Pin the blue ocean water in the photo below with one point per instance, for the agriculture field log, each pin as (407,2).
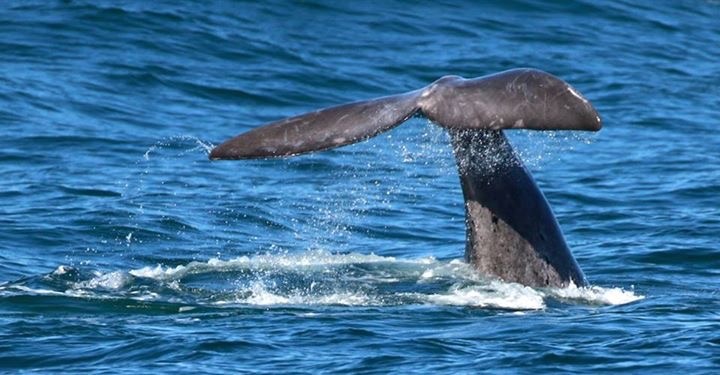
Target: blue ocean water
(122,248)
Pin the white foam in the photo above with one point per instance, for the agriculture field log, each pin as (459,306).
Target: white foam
(260,295)
(496,295)
(61,270)
(469,288)
(455,269)
(112,280)
(320,278)
(159,272)
(346,299)
(307,260)
(427,274)
(597,295)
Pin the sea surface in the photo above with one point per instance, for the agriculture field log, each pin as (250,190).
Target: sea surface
(123,249)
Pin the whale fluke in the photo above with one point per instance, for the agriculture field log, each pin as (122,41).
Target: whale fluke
(512,233)
(515,99)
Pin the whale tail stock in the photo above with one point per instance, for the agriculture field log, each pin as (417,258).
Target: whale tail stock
(515,99)
(511,231)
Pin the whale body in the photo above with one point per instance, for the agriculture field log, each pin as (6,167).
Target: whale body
(511,232)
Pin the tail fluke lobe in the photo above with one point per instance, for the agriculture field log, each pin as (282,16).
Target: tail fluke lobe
(514,99)
(321,130)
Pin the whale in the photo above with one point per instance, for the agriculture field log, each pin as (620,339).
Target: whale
(511,232)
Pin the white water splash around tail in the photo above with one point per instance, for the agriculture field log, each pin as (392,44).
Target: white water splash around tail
(314,278)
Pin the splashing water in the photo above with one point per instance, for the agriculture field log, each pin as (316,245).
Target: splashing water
(310,278)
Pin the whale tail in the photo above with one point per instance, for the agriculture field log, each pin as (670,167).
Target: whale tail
(515,99)
(511,231)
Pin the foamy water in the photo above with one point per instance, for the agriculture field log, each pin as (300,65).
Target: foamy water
(320,278)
